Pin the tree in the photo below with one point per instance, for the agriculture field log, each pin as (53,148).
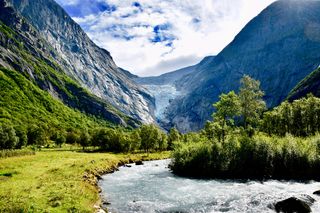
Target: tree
(36,135)
(23,138)
(227,108)
(251,103)
(72,137)
(84,139)
(163,141)
(173,136)
(60,139)
(8,138)
(150,137)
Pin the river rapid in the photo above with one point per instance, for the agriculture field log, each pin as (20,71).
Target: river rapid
(152,188)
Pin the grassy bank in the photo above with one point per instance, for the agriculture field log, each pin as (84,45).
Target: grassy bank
(57,181)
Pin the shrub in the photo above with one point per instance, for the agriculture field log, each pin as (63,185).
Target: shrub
(258,157)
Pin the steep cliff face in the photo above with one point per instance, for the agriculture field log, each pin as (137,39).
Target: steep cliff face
(23,50)
(81,59)
(279,47)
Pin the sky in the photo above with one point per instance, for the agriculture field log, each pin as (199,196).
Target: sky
(151,37)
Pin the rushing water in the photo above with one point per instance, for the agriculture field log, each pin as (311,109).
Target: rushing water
(153,188)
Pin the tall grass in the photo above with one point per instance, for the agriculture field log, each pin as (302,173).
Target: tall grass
(15,153)
(259,157)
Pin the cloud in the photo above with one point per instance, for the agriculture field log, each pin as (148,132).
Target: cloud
(150,37)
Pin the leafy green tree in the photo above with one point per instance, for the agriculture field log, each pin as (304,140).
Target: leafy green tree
(36,135)
(60,139)
(84,139)
(227,108)
(173,136)
(150,137)
(251,102)
(162,142)
(72,137)
(23,138)
(8,138)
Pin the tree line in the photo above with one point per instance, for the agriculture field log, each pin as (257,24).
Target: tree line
(247,112)
(146,138)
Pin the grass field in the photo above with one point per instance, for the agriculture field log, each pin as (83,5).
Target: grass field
(57,181)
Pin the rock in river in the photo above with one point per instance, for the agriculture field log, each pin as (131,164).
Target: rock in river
(139,162)
(294,204)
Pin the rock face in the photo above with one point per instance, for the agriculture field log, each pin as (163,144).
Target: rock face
(81,59)
(279,47)
(168,87)
(24,50)
(292,205)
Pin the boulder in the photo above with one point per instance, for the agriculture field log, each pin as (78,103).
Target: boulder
(292,205)
(317,193)
(139,162)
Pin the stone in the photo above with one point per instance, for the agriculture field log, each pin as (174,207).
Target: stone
(292,205)
(317,193)
(139,162)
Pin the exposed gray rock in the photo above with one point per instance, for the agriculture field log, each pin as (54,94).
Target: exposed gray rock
(23,49)
(292,205)
(80,58)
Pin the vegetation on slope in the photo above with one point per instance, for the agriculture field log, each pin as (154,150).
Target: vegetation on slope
(310,84)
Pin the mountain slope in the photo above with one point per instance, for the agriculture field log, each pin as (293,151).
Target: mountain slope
(167,87)
(81,59)
(310,84)
(279,47)
(23,50)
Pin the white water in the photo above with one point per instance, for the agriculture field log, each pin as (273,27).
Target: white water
(153,188)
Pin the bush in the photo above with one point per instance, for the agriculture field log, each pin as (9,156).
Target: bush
(258,157)
(8,138)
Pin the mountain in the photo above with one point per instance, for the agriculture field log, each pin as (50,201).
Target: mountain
(310,84)
(89,65)
(279,47)
(29,73)
(167,87)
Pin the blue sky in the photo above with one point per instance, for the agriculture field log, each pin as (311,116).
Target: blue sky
(150,37)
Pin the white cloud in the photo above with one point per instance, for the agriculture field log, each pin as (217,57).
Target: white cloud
(195,28)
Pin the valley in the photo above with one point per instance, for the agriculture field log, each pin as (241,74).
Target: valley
(245,119)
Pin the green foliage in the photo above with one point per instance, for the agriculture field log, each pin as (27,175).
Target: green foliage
(85,139)
(299,118)
(152,138)
(244,157)
(36,135)
(8,138)
(227,108)
(60,139)
(223,150)
(173,136)
(251,102)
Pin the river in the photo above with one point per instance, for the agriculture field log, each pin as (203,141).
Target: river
(153,188)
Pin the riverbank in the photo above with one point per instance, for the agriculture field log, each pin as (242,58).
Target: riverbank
(58,181)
